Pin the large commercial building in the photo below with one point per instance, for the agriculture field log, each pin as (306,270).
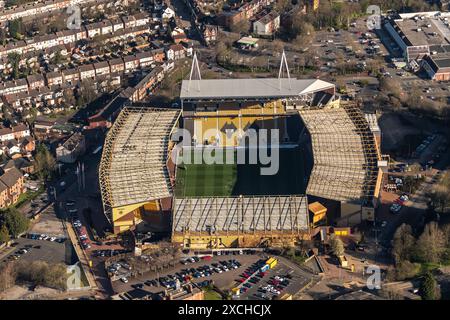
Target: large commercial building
(424,39)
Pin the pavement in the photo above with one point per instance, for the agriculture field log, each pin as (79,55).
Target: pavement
(82,257)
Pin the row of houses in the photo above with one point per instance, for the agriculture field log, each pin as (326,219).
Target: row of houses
(70,76)
(267,23)
(48,6)
(11,185)
(16,141)
(71,149)
(49,89)
(45,96)
(105,117)
(31,58)
(17,148)
(245,12)
(14,132)
(119,27)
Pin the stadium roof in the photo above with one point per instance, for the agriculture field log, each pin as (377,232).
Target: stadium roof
(250,88)
(133,167)
(241,214)
(345,154)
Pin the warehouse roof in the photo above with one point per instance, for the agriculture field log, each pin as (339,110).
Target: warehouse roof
(133,167)
(250,88)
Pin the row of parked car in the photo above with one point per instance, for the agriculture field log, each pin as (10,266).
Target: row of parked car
(35,236)
(249,277)
(116,267)
(398,204)
(274,287)
(424,145)
(208,270)
(109,252)
(27,248)
(186,275)
(82,234)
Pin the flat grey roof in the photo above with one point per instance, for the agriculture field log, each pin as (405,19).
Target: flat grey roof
(250,88)
(431,31)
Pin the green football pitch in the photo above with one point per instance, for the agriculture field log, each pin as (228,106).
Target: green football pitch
(209,180)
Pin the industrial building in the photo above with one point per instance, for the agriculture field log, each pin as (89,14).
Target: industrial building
(424,40)
(328,153)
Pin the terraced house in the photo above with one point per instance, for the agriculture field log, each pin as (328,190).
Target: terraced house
(11,186)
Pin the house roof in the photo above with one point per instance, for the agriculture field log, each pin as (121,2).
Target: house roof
(11,176)
(269,17)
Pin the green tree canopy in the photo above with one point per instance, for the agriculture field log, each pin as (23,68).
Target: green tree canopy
(16,28)
(45,162)
(4,234)
(14,59)
(15,221)
(337,246)
(428,288)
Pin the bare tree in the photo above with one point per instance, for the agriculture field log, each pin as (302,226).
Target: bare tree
(431,243)
(403,243)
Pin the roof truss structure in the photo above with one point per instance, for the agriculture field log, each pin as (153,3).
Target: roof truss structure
(244,214)
(345,154)
(133,165)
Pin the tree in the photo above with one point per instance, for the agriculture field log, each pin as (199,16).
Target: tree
(390,86)
(7,275)
(4,234)
(428,288)
(431,243)
(337,246)
(3,37)
(45,162)
(16,28)
(14,59)
(85,93)
(43,273)
(242,26)
(403,243)
(15,222)
(440,195)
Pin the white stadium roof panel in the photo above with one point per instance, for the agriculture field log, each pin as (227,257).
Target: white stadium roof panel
(250,88)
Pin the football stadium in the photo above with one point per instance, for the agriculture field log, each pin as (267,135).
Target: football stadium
(320,152)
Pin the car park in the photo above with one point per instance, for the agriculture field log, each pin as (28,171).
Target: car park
(138,285)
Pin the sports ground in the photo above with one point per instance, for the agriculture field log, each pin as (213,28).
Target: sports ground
(214,180)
